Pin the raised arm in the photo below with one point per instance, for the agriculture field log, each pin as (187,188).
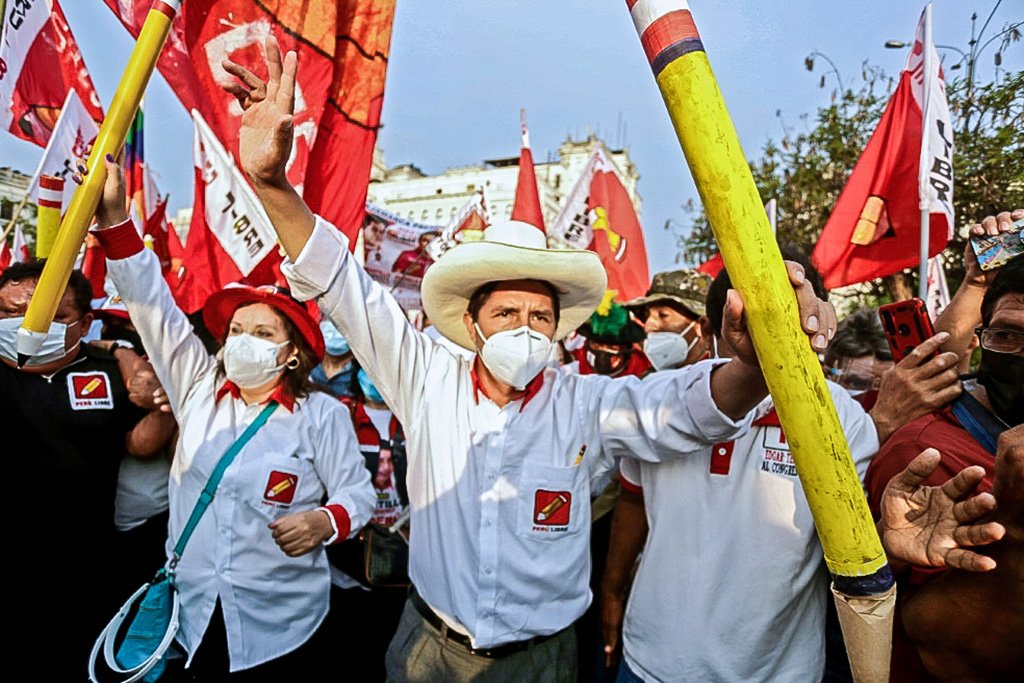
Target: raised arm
(963,313)
(177,354)
(393,353)
(265,142)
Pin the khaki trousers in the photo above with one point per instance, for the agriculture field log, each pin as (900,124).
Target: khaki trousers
(420,653)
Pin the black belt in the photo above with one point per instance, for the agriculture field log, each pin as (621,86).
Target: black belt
(496,652)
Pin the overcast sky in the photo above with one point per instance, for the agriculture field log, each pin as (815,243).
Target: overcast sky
(460,70)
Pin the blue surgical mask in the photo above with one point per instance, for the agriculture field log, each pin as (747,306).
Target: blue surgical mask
(334,342)
(369,391)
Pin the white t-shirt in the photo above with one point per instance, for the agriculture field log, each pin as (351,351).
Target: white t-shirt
(141,490)
(730,586)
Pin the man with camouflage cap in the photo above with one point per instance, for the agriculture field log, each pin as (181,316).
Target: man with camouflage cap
(673,312)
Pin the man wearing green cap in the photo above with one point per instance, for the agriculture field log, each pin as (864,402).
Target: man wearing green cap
(673,312)
(609,347)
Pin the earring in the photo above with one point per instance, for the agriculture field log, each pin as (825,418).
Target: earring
(292,363)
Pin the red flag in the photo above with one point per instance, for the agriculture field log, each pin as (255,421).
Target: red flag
(599,215)
(157,230)
(39,62)
(230,239)
(526,206)
(94,267)
(713,266)
(342,47)
(17,252)
(874,229)
(341,158)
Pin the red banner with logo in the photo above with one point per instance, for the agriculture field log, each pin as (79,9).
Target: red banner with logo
(39,63)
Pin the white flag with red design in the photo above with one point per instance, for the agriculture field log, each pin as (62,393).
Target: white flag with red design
(598,215)
(468,224)
(39,62)
(70,140)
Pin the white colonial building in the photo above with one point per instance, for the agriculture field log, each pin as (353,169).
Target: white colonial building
(434,199)
(13,186)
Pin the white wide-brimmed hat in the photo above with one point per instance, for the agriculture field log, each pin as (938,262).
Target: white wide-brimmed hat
(512,250)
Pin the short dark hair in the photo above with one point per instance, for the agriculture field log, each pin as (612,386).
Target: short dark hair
(859,334)
(79,284)
(1009,280)
(483,292)
(714,301)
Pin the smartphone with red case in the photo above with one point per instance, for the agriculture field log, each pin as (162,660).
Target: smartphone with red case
(906,325)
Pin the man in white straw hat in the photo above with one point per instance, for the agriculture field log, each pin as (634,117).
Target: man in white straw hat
(500,447)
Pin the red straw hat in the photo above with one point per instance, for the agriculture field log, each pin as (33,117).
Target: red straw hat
(222,305)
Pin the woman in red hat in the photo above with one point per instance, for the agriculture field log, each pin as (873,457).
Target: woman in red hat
(253,579)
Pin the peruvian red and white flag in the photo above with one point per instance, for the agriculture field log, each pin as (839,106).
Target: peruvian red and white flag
(598,215)
(70,140)
(230,238)
(39,63)
(526,207)
(907,166)
(343,54)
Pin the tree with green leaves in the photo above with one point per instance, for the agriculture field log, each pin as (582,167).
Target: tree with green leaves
(806,171)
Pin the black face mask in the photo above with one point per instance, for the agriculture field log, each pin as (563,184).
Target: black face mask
(1002,375)
(606,363)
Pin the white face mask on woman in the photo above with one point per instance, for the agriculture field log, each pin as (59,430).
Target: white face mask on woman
(51,350)
(515,356)
(250,361)
(669,349)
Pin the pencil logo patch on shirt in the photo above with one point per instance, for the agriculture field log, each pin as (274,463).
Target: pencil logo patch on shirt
(551,509)
(280,488)
(89,391)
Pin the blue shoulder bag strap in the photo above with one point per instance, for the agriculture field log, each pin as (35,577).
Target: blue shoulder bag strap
(962,411)
(206,496)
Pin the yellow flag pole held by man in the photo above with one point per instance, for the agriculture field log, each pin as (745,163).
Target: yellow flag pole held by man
(109,141)
(862,582)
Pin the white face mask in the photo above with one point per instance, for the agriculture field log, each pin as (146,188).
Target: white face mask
(669,349)
(251,362)
(51,350)
(515,356)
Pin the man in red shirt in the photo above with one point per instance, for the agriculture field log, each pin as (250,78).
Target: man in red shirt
(940,632)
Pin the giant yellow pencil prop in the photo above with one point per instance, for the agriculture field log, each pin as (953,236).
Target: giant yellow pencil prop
(51,193)
(79,215)
(736,213)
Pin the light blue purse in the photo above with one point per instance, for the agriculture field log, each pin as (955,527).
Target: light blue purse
(141,655)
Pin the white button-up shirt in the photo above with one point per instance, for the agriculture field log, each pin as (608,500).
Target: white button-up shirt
(499,496)
(272,603)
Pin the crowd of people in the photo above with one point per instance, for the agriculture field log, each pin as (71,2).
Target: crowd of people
(568,488)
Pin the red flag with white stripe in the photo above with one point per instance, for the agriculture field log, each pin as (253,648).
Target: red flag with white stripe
(526,206)
(39,62)
(906,167)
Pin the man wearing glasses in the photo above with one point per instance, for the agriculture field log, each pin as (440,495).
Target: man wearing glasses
(958,624)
